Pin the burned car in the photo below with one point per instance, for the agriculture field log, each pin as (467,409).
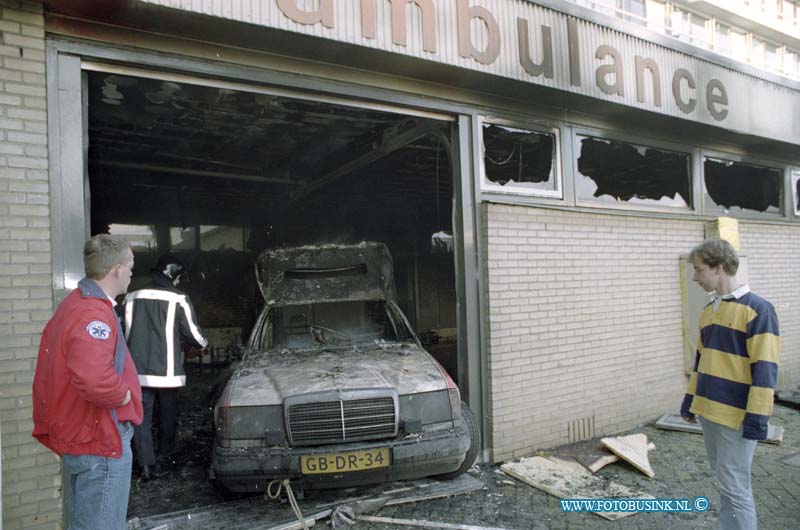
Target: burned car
(334,388)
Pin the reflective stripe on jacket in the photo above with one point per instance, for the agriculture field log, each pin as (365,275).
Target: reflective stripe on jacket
(158,319)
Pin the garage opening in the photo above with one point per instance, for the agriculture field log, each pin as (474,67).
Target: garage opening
(217,174)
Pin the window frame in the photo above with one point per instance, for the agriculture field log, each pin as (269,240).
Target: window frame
(691,209)
(487,187)
(791,68)
(707,209)
(794,177)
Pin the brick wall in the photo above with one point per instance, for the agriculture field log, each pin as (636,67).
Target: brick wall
(31,486)
(772,253)
(585,333)
(585,319)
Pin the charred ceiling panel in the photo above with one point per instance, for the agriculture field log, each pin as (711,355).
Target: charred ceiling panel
(301,275)
(185,154)
(734,185)
(614,171)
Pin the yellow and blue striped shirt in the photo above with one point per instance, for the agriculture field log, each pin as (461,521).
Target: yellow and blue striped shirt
(736,364)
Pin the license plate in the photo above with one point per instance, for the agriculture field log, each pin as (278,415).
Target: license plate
(344,462)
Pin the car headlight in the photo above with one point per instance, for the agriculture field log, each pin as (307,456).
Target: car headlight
(424,409)
(264,422)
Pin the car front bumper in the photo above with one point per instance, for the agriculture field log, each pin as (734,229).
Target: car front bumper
(412,456)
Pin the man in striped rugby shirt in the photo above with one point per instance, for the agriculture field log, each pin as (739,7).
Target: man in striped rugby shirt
(732,383)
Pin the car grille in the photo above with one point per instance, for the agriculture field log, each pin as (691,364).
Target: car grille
(342,421)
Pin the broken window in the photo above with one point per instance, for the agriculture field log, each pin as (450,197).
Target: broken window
(519,160)
(796,191)
(737,187)
(620,172)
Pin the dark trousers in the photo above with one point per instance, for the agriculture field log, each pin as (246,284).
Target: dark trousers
(143,434)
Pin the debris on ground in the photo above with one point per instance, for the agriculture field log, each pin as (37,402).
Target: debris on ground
(633,449)
(792,459)
(674,422)
(681,466)
(592,454)
(789,397)
(424,524)
(346,514)
(258,513)
(570,480)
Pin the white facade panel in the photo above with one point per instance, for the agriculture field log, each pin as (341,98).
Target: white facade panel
(460,31)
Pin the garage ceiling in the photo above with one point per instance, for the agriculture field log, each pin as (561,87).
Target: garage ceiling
(216,155)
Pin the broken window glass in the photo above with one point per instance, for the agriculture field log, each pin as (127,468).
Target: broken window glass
(519,159)
(737,187)
(619,172)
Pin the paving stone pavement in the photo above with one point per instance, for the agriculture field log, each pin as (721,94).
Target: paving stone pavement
(681,468)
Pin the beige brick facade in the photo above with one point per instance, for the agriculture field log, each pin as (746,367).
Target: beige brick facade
(772,261)
(30,473)
(585,321)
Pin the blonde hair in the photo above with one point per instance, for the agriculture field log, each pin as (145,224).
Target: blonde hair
(101,253)
(715,252)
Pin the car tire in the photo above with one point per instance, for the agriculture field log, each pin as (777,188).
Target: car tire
(474,444)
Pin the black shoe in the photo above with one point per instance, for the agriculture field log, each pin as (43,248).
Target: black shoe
(151,472)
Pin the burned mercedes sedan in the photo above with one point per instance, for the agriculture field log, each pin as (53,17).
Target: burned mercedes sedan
(334,388)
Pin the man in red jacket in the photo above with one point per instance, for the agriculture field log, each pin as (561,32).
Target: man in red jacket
(86,394)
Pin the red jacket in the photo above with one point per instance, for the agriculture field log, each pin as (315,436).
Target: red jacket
(83,373)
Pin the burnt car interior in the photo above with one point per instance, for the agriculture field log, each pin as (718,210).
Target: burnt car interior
(217,175)
(332,323)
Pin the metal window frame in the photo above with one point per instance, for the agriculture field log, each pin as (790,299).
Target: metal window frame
(487,187)
(691,210)
(794,177)
(713,210)
(570,151)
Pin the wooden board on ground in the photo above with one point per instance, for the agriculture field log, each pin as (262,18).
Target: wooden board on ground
(632,449)
(595,462)
(570,480)
(593,455)
(674,422)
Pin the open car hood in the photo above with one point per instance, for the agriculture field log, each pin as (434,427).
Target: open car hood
(273,376)
(320,273)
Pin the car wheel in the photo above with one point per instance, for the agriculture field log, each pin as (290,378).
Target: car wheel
(474,444)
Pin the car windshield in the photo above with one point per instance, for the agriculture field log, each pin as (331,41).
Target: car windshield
(336,324)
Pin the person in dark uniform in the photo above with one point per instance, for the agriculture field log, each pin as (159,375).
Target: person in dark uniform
(158,319)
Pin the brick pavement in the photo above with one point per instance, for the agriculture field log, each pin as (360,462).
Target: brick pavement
(681,468)
(679,462)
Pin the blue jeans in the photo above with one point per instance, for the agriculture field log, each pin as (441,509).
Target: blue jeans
(731,459)
(99,487)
